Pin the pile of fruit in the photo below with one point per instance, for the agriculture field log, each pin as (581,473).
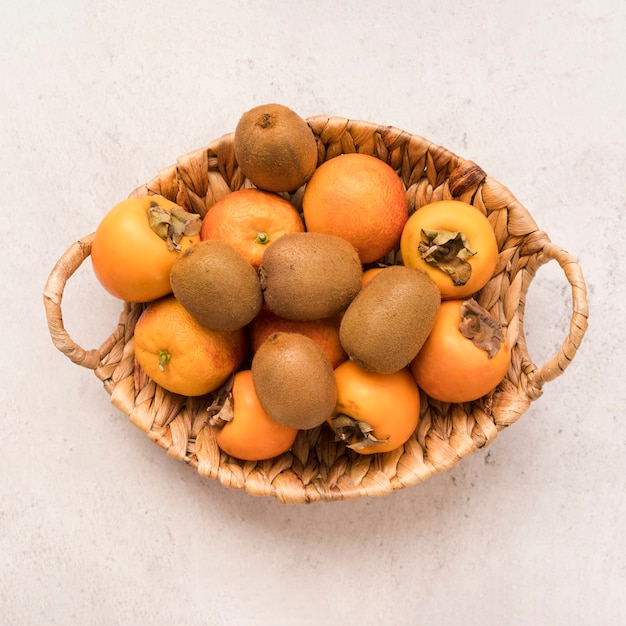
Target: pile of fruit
(300,317)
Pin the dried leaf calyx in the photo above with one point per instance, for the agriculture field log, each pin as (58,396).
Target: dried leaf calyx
(173,225)
(356,434)
(449,251)
(480,327)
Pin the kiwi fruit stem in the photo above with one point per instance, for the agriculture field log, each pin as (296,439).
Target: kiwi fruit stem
(265,121)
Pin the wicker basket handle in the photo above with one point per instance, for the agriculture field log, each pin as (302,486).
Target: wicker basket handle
(557,364)
(52,296)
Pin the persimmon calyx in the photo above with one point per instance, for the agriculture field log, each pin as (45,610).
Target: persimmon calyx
(224,415)
(480,327)
(449,251)
(356,434)
(173,225)
(221,410)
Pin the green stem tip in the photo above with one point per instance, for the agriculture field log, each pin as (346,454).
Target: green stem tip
(164,359)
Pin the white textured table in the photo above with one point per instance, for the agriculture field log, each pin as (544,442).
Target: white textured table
(99,526)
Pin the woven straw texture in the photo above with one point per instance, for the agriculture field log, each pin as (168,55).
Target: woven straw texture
(317,468)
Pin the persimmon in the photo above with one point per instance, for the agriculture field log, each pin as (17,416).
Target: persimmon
(455,243)
(465,355)
(374,412)
(136,244)
(244,429)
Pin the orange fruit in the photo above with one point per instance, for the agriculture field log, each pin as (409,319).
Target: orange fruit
(324,332)
(360,198)
(369,274)
(180,354)
(250,219)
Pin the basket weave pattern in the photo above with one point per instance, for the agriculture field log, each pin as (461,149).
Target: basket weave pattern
(318,468)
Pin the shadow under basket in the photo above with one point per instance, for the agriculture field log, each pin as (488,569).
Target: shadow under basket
(317,467)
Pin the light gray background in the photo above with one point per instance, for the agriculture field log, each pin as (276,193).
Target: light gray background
(98,525)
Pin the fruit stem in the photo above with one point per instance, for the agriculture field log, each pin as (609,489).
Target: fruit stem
(164,359)
(449,251)
(356,434)
(480,327)
(262,238)
(265,121)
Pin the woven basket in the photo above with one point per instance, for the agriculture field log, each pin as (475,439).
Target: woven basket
(317,468)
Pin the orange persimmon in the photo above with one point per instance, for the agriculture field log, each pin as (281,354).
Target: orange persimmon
(454,243)
(136,244)
(464,357)
(246,431)
(374,412)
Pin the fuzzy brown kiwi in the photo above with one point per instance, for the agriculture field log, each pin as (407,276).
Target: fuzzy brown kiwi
(275,148)
(307,276)
(388,322)
(217,285)
(294,380)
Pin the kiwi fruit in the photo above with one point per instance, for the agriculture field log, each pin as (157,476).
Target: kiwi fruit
(217,285)
(388,322)
(294,380)
(307,276)
(275,148)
